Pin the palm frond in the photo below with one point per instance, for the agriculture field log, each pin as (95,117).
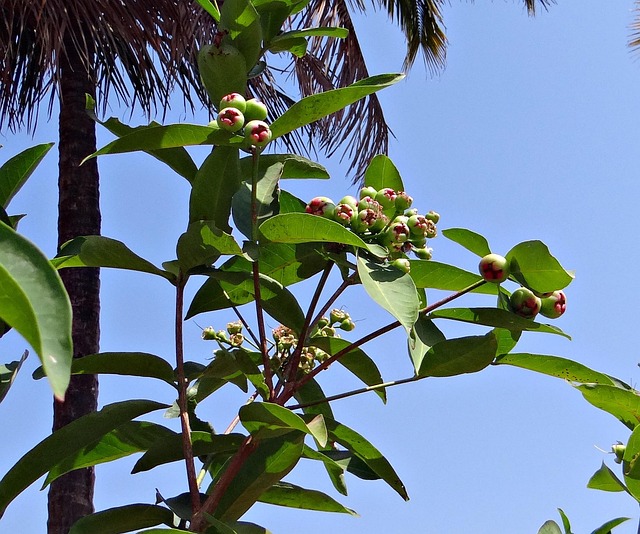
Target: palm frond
(531,5)
(634,38)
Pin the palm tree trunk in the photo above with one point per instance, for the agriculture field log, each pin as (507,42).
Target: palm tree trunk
(71,496)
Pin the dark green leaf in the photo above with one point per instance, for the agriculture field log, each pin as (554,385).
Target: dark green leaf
(66,441)
(334,470)
(274,14)
(507,339)
(392,289)
(290,203)
(469,240)
(424,335)
(242,21)
(434,275)
(124,519)
(311,392)
(458,356)
(285,494)
(34,302)
(555,366)
(202,244)
(565,521)
(16,171)
(271,461)
(356,361)
(170,449)
(306,228)
(210,8)
(605,480)
(610,525)
(294,166)
(8,374)
(315,107)
(294,45)
(127,439)
(534,267)
(623,404)
(352,463)
(495,317)
(381,173)
(631,465)
(99,251)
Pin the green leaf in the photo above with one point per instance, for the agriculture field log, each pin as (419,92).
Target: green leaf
(318,106)
(610,525)
(352,463)
(171,136)
(392,289)
(34,302)
(267,205)
(356,361)
(66,441)
(424,335)
(623,404)
(631,465)
(291,496)
(434,275)
(129,438)
(459,356)
(507,339)
(495,317)
(271,461)
(294,166)
(555,366)
(290,203)
(311,392)
(274,14)
(99,251)
(8,374)
(178,159)
(333,468)
(121,363)
(202,244)
(294,45)
(210,8)
(469,240)
(242,21)
(364,450)
(550,527)
(216,182)
(321,31)
(268,420)
(534,267)
(124,519)
(169,449)
(307,228)
(381,173)
(16,171)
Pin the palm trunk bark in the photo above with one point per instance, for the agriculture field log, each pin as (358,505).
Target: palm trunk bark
(71,496)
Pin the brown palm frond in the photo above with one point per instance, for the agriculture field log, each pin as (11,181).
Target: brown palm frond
(634,39)
(137,49)
(334,63)
(531,5)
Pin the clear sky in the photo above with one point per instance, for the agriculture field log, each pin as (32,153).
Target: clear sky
(531,132)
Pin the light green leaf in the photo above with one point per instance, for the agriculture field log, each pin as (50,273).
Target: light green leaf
(16,171)
(271,461)
(202,244)
(66,441)
(356,361)
(469,240)
(307,228)
(121,363)
(99,251)
(210,8)
(274,14)
(129,438)
(124,519)
(34,302)
(294,45)
(423,336)
(315,107)
(242,21)
(459,356)
(495,317)
(555,366)
(381,173)
(434,275)
(392,289)
(623,404)
(333,468)
(630,464)
(8,374)
(550,527)
(534,267)
(606,480)
(291,496)
(565,521)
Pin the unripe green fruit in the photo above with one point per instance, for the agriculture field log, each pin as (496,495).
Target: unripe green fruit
(234,328)
(524,303)
(257,133)
(386,197)
(433,217)
(337,316)
(323,321)
(618,449)
(403,201)
(554,305)
(494,268)
(209,333)
(322,206)
(347,325)
(233,100)
(349,201)
(423,253)
(343,214)
(402,264)
(230,119)
(368,191)
(255,110)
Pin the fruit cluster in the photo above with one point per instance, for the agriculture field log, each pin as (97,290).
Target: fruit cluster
(232,336)
(523,301)
(238,114)
(384,217)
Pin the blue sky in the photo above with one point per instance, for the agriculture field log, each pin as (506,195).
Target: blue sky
(530,133)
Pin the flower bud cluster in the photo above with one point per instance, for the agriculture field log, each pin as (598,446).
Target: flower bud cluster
(245,117)
(384,217)
(232,336)
(286,341)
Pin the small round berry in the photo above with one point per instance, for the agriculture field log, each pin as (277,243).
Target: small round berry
(524,303)
(386,197)
(230,119)
(433,216)
(255,110)
(322,206)
(403,201)
(423,253)
(233,100)
(494,268)
(368,191)
(402,264)
(257,133)
(554,305)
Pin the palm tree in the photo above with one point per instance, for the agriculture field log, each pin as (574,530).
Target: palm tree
(142,51)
